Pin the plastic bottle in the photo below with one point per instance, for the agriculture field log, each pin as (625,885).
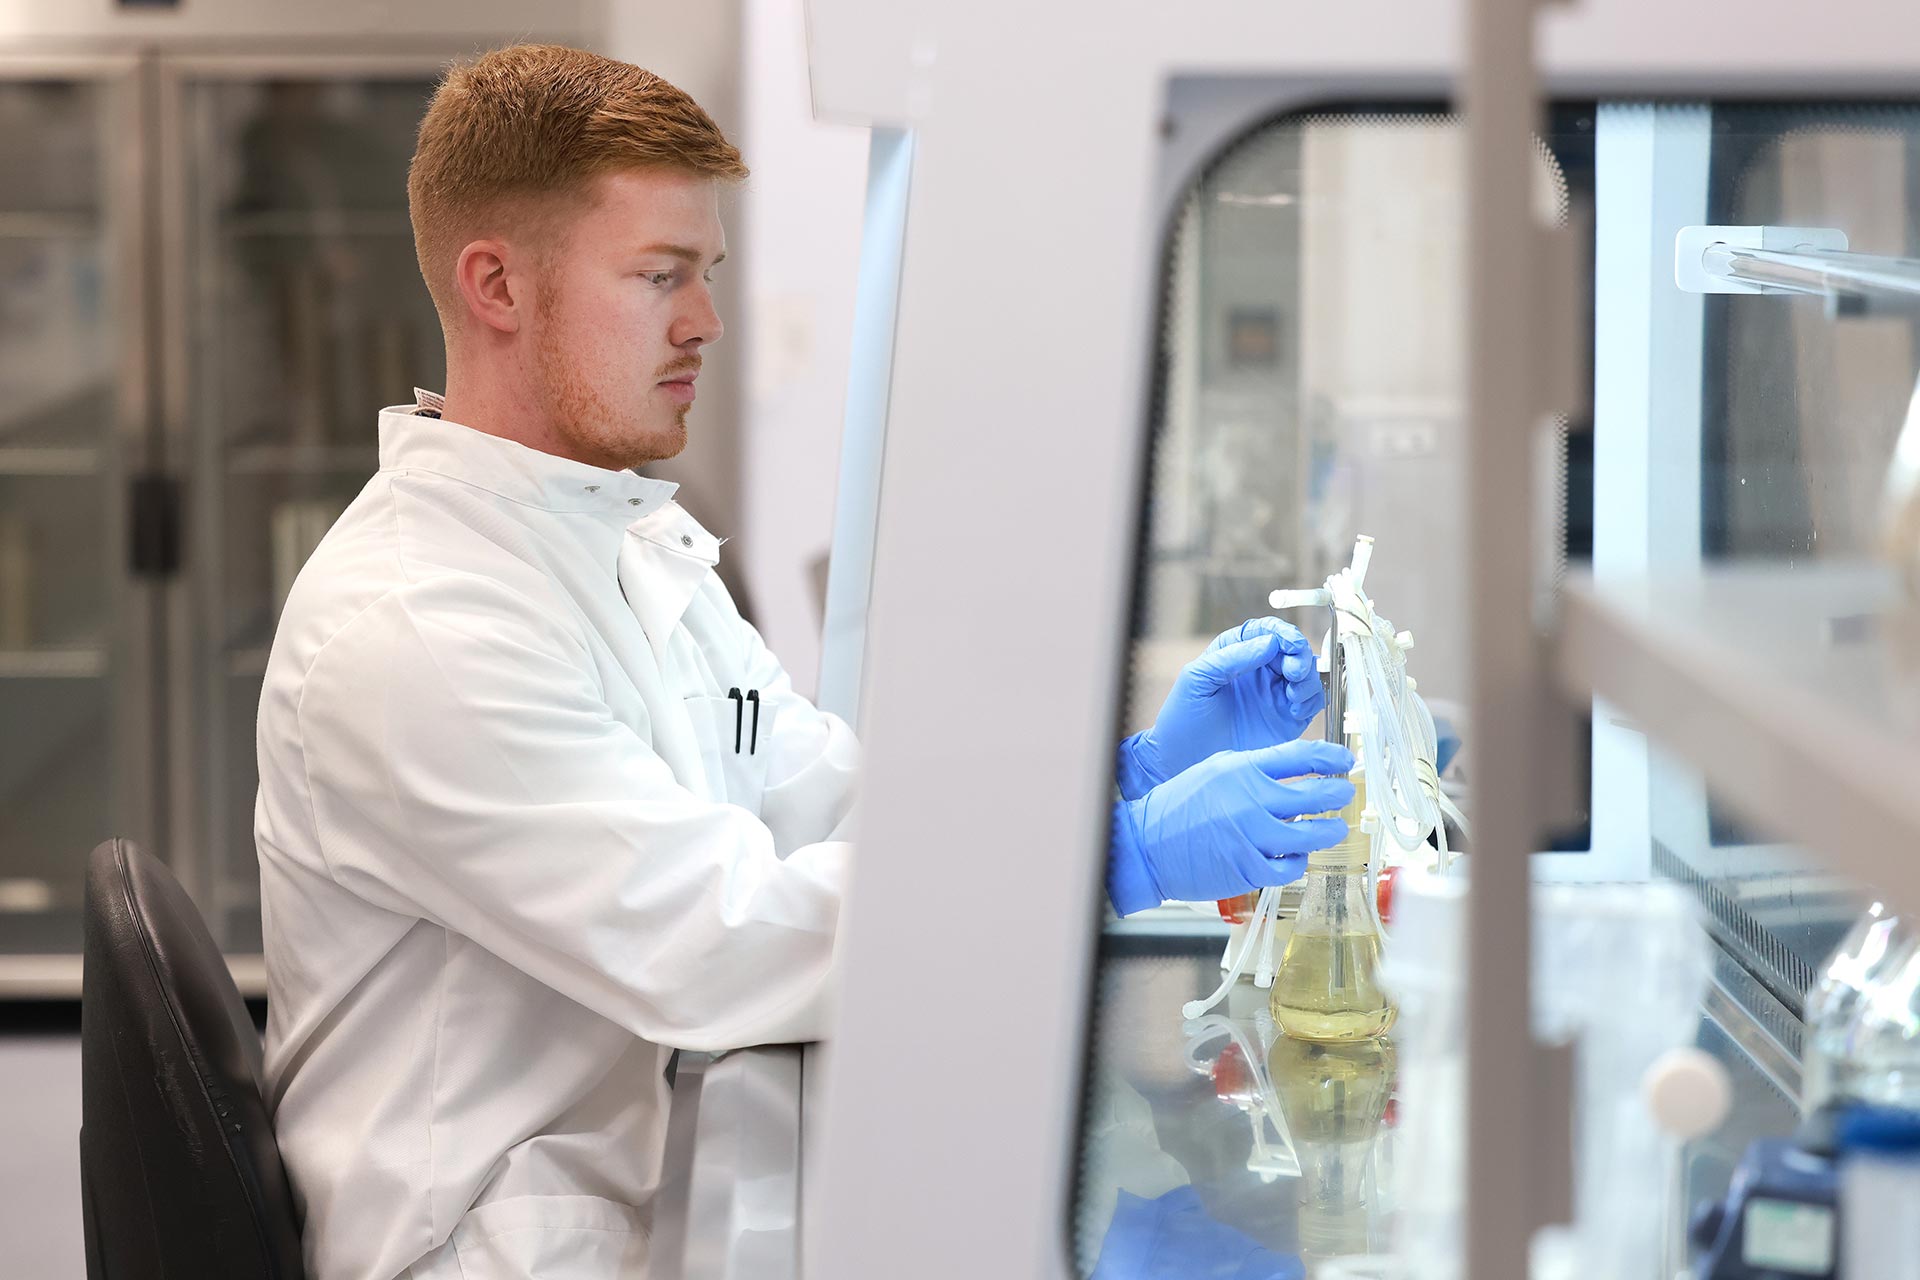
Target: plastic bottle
(1879,1186)
(1872,954)
(1328,985)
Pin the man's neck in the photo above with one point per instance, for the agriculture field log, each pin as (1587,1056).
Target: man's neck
(497,407)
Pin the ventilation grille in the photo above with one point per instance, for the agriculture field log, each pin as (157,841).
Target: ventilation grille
(1786,976)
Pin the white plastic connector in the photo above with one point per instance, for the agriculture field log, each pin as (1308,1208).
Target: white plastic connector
(1362,557)
(1316,598)
(1404,639)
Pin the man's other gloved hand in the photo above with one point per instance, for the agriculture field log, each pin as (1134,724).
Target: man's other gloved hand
(1227,825)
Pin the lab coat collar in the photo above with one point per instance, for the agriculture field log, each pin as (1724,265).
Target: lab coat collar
(414,437)
(663,560)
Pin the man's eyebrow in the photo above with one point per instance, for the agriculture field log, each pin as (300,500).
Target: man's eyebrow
(681,252)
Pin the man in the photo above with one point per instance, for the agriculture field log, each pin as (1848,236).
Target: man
(536,805)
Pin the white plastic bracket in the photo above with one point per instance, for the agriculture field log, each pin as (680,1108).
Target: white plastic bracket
(1692,242)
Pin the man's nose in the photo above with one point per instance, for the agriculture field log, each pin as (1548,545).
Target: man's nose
(700,324)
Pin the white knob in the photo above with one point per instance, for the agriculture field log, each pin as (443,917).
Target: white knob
(1688,1092)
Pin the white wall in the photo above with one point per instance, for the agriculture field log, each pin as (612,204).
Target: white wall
(763,453)
(798,231)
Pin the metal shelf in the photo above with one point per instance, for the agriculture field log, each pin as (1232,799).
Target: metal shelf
(263,459)
(23,225)
(30,460)
(57,977)
(27,895)
(319,222)
(52,664)
(1784,687)
(42,417)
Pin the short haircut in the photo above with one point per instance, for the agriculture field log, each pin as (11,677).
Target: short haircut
(511,130)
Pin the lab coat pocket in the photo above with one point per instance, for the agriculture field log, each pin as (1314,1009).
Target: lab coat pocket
(536,1237)
(736,741)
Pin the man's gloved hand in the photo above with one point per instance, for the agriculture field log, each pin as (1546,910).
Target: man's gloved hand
(1222,828)
(1253,687)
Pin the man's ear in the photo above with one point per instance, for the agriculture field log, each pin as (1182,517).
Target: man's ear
(481,274)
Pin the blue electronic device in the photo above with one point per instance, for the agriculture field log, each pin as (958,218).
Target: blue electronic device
(1779,1221)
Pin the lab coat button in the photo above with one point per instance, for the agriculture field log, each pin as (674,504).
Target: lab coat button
(686,539)
(633,502)
(593,488)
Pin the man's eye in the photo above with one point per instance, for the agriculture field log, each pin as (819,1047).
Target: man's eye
(657,277)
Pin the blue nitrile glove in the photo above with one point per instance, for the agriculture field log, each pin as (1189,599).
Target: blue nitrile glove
(1172,1238)
(1222,828)
(1254,686)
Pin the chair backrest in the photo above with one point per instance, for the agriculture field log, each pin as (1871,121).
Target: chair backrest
(181,1179)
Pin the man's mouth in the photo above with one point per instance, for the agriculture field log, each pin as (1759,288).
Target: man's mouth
(680,389)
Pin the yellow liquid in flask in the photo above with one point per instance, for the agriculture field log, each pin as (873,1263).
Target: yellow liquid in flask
(1328,984)
(1328,989)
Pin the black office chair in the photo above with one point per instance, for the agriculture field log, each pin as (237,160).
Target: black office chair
(180,1177)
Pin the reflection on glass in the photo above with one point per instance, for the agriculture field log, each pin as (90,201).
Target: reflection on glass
(309,317)
(1334,1097)
(56,569)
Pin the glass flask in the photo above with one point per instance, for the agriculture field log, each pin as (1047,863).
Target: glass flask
(1328,985)
(1334,1098)
(1871,954)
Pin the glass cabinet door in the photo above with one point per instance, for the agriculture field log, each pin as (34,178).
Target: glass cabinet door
(305,313)
(69,706)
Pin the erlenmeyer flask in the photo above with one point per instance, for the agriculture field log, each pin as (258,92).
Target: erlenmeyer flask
(1328,985)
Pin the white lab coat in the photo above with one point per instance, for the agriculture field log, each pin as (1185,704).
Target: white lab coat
(510,855)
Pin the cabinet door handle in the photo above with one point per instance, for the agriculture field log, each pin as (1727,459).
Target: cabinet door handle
(153,525)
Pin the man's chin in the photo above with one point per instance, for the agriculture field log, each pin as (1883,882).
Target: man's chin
(674,439)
